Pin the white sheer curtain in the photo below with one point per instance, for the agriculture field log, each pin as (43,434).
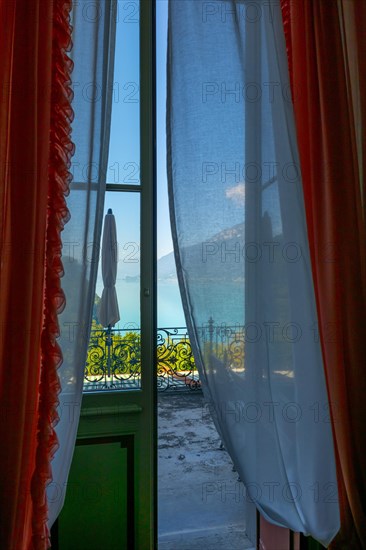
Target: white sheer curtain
(242,256)
(94,26)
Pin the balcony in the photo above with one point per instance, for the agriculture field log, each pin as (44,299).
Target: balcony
(114,356)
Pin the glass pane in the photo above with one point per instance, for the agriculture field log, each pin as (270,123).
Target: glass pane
(170,310)
(113,360)
(124,149)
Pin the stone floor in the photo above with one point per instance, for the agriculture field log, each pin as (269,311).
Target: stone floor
(200,502)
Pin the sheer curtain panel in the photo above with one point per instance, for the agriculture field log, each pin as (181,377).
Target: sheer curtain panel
(94,25)
(242,255)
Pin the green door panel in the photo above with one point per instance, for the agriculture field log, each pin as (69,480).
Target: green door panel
(96,513)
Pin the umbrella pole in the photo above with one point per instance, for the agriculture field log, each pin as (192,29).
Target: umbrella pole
(109,343)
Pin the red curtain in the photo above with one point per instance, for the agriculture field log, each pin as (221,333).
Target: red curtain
(326,53)
(35,151)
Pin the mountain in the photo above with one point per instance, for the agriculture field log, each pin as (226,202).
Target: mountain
(166,268)
(218,258)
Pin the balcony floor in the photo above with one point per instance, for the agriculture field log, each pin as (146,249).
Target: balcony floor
(201,503)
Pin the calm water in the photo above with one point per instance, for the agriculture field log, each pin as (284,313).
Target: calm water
(222,303)
(170,311)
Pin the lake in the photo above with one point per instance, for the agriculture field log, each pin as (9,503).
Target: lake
(170,311)
(224,303)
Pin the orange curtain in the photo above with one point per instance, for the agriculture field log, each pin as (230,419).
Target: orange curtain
(35,152)
(326,58)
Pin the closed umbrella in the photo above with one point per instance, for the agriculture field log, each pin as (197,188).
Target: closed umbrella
(108,313)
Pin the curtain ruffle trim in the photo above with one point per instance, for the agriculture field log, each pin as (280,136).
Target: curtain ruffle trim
(61,152)
(286,19)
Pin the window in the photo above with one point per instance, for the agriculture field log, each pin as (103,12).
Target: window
(114,358)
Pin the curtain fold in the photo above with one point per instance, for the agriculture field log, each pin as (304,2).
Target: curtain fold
(93,37)
(354,48)
(34,180)
(242,254)
(327,58)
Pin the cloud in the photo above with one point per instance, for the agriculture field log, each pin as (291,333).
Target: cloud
(236,193)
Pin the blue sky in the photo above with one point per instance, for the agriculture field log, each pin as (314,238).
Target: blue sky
(164,232)
(124,154)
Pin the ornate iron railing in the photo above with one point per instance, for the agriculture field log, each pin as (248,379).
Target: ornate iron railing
(176,369)
(225,342)
(114,356)
(113,360)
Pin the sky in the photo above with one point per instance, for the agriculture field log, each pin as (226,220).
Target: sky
(165,244)
(124,154)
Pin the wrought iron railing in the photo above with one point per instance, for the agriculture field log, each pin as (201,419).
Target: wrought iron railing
(114,356)
(225,342)
(113,360)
